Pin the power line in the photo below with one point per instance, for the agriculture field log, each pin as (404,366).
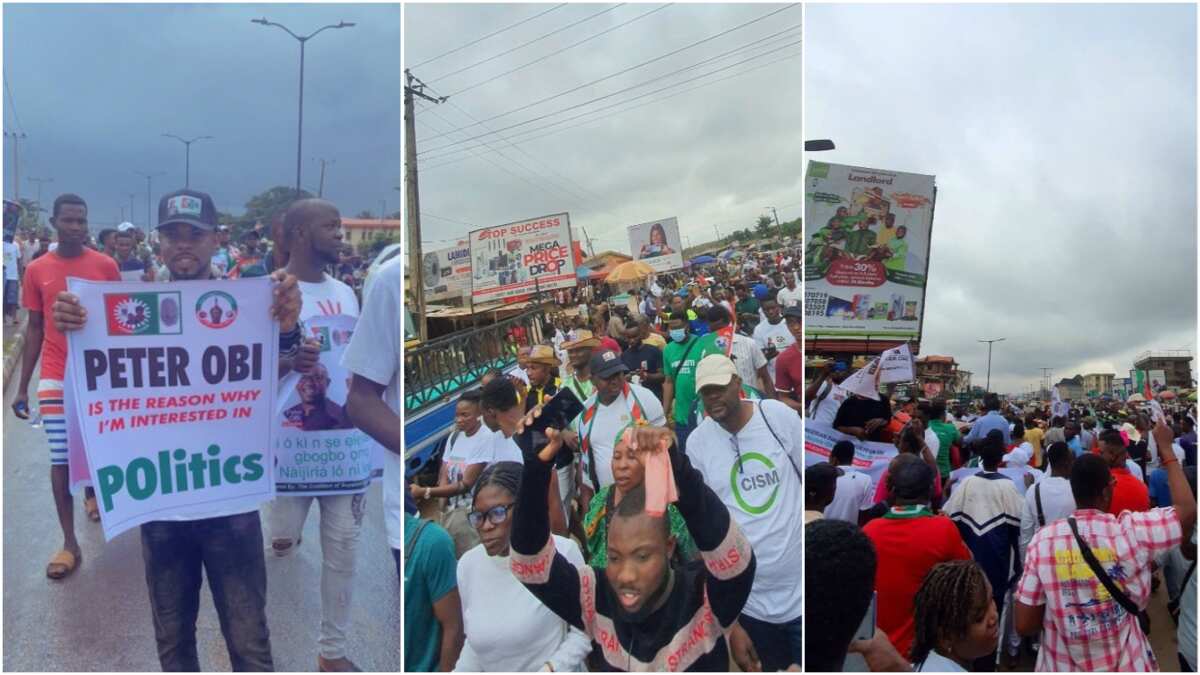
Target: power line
(448,220)
(560,51)
(635,67)
(595,119)
(525,44)
(615,93)
(489,35)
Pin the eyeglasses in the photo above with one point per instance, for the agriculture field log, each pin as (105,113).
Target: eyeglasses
(494,515)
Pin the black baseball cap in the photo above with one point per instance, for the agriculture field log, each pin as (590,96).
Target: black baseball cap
(606,363)
(794,312)
(188,206)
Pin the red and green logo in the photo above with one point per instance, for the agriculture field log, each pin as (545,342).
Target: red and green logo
(143,313)
(216,309)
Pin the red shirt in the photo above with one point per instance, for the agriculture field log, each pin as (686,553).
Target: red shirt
(1129,494)
(45,278)
(607,342)
(789,371)
(908,543)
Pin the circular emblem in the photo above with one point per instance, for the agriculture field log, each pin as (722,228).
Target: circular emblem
(132,314)
(216,309)
(756,484)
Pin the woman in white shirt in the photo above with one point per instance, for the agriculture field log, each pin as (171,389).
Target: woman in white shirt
(956,620)
(507,628)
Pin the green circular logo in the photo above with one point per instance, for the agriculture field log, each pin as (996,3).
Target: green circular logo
(216,309)
(756,486)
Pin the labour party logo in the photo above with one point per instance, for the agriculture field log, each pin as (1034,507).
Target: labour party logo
(216,309)
(755,483)
(142,313)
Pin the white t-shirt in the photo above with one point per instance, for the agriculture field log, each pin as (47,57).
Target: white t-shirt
(747,359)
(853,494)
(764,495)
(789,298)
(463,452)
(374,353)
(505,449)
(12,258)
(529,634)
(825,412)
(778,335)
(604,429)
(328,297)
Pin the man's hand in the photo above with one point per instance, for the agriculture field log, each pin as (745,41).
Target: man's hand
(69,313)
(417,491)
(742,650)
(880,655)
(1163,438)
(307,356)
(148,275)
(20,405)
(286,305)
(871,425)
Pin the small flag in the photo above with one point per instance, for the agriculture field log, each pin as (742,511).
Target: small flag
(143,313)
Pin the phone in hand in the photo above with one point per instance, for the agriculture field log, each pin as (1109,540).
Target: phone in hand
(558,412)
(21,409)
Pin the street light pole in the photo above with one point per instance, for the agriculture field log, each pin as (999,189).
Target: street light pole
(131,196)
(187,161)
(300,123)
(39,182)
(774,212)
(989,370)
(148,177)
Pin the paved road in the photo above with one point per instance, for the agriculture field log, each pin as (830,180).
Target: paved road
(99,618)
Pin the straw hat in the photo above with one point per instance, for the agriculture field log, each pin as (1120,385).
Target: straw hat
(583,338)
(544,355)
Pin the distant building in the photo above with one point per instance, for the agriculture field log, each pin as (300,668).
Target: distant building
(937,376)
(1071,388)
(365,230)
(1095,384)
(1175,364)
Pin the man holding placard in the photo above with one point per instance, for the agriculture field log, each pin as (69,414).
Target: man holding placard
(137,371)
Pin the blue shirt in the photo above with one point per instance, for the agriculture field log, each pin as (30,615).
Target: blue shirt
(985,424)
(1076,446)
(1160,491)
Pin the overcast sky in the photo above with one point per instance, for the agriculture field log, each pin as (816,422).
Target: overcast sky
(1063,138)
(716,155)
(94,86)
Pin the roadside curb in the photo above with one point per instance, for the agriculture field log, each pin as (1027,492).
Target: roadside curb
(10,361)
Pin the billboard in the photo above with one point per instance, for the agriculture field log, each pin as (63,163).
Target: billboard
(657,244)
(521,258)
(867,235)
(447,272)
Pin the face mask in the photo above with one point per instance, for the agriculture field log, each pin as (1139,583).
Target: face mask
(678,334)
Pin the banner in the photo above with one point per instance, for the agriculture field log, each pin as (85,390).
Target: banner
(897,365)
(657,244)
(446,272)
(1058,407)
(521,258)
(173,389)
(317,451)
(870,457)
(865,380)
(867,235)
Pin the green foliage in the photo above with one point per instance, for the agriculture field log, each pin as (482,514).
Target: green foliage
(763,224)
(262,207)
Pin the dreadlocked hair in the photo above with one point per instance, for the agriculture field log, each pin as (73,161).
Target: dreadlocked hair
(946,606)
(504,475)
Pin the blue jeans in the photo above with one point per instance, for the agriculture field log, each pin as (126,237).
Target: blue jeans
(230,551)
(779,645)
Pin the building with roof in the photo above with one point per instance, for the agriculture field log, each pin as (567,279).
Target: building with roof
(1096,384)
(937,375)
(360,231)
(1176,365)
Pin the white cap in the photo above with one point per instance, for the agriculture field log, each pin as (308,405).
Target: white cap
(714,369)
(126,226)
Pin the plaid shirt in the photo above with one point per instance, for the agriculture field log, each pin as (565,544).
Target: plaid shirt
(1084,628)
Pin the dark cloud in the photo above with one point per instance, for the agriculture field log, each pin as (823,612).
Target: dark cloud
(1064,143)
(94,86)
(716,155)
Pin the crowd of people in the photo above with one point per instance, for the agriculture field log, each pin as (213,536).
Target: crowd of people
(650,528)
(227,546)
(999,534)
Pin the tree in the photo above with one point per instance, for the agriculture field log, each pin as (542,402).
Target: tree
(262,207)
(763,224)
(365,215)
(29,215)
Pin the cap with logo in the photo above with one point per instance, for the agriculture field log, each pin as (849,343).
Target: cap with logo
(606,363)
(190,207)
(126,226)
(714,370)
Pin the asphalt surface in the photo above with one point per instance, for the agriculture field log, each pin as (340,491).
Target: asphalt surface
(98,619)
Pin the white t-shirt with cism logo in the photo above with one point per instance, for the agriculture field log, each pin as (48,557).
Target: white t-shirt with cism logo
(764,495)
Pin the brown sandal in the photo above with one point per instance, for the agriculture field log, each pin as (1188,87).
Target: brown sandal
(63,564)
(93,510)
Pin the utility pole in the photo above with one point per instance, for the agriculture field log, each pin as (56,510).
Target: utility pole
(16,141)
(148,177)
(774,212)
(1046,379)
(39,182)
(187,157)
(414,87)
(988,387)
(321,185)
(718,231)
(591,249)
(131,196)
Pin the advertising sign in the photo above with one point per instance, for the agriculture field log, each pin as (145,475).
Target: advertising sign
(447,272)
(867,235)
(657,244)
(318,451)
(521,258)
(173,389)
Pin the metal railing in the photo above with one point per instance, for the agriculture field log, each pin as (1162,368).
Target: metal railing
(442,367)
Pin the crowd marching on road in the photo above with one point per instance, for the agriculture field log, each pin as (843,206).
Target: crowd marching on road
(1000,535)
(226,545)
(625,499)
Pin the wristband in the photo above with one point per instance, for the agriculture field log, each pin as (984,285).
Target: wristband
(1173,460)
(426,493)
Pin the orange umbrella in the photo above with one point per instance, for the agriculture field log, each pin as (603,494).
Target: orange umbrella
(1166,394)
(633,270)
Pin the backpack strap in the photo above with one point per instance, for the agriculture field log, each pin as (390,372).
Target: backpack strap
(412,541)
(781,444)
(1037,497)
(1173,605)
